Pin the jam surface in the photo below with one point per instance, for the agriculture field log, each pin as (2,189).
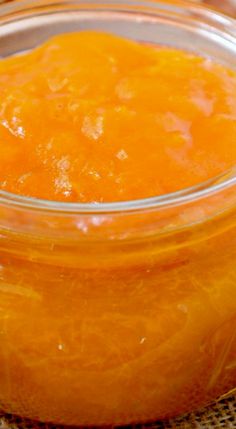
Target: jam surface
(91,117)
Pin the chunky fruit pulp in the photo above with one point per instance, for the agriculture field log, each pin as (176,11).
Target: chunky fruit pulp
(91,117)
(147,335)
(129,331)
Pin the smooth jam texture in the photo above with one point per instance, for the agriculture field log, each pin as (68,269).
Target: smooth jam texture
(91,117)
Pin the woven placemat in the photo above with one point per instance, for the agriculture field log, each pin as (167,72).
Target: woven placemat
(218,416)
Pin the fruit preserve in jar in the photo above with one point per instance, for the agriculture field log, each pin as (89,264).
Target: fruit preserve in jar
(117,212)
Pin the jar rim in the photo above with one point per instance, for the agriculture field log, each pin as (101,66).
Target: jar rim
(187,195)
(224,181)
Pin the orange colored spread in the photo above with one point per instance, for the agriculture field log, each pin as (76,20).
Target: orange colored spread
(127,329)
(91,117)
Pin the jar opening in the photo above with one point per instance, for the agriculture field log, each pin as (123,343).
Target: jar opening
(192,23)
(187,195)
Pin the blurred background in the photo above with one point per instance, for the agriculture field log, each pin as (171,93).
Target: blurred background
(228,6)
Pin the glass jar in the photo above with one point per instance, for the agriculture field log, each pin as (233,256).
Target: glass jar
(118,313)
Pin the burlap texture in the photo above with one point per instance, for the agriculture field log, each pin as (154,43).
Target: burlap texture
(218,416)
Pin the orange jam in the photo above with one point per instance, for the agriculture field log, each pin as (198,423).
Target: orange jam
(131,318)
(91,117)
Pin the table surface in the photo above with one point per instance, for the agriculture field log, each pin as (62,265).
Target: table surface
(218,416)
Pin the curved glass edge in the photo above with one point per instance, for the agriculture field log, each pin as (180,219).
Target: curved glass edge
(203,190)
(187,195)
